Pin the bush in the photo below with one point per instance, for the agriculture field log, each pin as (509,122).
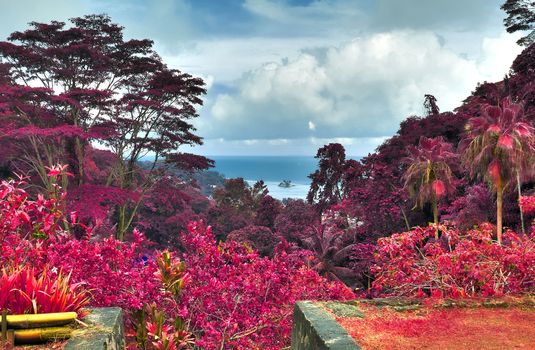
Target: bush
(458,264)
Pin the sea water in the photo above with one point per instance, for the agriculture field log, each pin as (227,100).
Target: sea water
(272,170)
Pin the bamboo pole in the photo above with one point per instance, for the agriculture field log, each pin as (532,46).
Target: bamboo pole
(41,320)
(39,335)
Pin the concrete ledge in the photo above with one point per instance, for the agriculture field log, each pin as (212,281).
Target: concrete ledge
(105,331)
(316,329)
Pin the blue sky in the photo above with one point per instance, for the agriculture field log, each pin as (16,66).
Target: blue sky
(287,76)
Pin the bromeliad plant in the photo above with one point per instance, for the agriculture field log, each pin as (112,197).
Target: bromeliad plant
(153,325)
(23,290)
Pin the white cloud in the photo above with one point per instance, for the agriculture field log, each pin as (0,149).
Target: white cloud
(360,88)
(311,126)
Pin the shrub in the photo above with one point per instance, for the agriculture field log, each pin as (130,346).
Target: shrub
(237,299)
(459,263)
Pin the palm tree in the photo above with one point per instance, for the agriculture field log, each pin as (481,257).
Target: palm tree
(332,249)
(498,143)
(429,176)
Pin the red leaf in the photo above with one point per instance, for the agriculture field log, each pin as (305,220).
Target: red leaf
(505,141)
(494,128)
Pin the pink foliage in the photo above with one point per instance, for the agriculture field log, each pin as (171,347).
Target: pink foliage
(527,203)
(460,263)
(231,295)
(116,272)
(241,299)
(33,234)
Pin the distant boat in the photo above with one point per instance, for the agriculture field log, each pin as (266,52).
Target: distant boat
(286,184)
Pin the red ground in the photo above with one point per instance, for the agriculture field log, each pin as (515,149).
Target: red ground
(456,329)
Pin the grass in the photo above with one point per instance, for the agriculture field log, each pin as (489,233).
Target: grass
(472,326)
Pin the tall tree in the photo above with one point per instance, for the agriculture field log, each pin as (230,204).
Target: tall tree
(327,184)
(520,17)
(90,85)
(496,146)
(430,105)
(429,176)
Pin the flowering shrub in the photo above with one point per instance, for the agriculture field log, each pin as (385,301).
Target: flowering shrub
(26,217)
(32,235)
(24,291)
(260,238)
(458,264)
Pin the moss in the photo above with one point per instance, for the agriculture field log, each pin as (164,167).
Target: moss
(343,309)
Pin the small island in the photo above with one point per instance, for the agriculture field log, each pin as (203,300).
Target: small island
(286,184)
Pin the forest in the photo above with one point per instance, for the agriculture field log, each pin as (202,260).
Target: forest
(445,208)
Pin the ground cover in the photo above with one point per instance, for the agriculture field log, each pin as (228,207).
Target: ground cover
(457,325)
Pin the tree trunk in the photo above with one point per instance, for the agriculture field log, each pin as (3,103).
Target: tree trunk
(499,214)
(127,179)
(120,233)
(405,218)
(518,186)
(79,152)
(435,214)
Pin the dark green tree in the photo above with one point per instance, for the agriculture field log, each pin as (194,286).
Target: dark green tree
(520,17)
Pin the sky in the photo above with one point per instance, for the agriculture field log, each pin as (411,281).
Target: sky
(285,77)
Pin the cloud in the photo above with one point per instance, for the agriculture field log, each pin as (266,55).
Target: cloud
(311,126)
(361,88)
(302,146)
(226,59)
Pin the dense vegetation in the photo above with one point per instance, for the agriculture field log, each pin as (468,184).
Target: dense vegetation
(443,208)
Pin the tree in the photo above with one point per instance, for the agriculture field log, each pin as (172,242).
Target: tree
(296,220)
(236,205)
(327,184)
(268,210)
(66,87)
(429,176)
(520,17)
(430,105)
(496,146)
(259,238)
(332,249)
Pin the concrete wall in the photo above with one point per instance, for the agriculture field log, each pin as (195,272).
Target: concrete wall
(105,331)
(316,329)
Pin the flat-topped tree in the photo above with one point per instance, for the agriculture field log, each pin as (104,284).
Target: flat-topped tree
(496,146)
(429,176)
(96,86)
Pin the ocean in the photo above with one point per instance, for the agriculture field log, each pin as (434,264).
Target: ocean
(271,169)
